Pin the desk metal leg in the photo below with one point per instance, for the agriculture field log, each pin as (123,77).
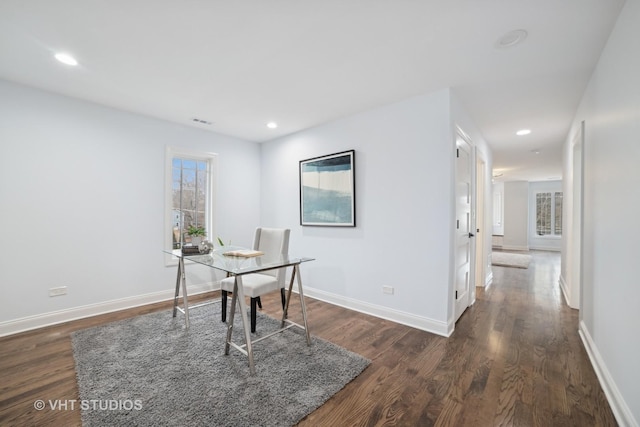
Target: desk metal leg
(296,274)
(184,294)
(175,298)
(181,282)
(232,315)
(285,310)
(238,294)
(296,268)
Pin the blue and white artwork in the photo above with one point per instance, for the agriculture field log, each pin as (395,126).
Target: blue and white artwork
(327,190)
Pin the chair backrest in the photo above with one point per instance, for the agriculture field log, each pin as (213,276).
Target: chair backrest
(273,240)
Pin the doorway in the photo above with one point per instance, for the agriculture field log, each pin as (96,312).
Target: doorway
(463,280)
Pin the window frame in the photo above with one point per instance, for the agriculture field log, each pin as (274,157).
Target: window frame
(552,218)
(212,164)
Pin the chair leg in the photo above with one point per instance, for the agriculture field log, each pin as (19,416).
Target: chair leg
(224,306)
(253,313)
(259,302)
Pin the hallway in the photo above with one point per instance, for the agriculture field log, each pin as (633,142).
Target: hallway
(515,359)
(537,366)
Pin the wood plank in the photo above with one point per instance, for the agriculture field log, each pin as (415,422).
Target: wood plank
(515,358)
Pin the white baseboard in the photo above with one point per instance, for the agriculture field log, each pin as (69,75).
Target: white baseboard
(61,316)
(489,280)
(563,288)
(55,317)
(618,405)
(544,248)
(515,248)
(418,322)
(483,283)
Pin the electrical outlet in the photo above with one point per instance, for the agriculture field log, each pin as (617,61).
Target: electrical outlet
(387,290)
(54,292)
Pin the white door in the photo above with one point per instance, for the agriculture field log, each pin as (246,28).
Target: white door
(463,226)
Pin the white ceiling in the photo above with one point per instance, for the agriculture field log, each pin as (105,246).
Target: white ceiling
(240,64)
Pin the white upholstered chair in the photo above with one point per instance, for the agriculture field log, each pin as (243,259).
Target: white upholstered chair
(269,241)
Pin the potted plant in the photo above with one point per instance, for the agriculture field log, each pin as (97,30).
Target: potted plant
(196,233)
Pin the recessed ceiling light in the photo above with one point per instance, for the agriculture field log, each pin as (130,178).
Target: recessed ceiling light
(511,39)
(272,125)
(522,132)
(65,58)
(535,151)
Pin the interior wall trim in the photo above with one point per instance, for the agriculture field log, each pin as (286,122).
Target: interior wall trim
(544,248)
(564,289)
(619,407)
(55,317)
(489,280)
(437,327)
(514,248)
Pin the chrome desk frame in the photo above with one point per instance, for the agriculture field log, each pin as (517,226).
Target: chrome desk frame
(217,260)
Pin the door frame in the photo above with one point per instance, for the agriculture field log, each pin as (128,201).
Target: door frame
(461,134)
(577,228)
(481,221)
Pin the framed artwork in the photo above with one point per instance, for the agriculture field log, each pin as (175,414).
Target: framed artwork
(328,190)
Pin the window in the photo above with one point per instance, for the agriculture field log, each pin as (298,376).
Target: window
(558,214)
(497,209)
(189,194)
(549,214)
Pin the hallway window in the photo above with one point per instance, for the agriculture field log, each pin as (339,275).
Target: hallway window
(557,214)
(549,214)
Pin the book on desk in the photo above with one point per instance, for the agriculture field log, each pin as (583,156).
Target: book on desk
(245,253)
(193,250)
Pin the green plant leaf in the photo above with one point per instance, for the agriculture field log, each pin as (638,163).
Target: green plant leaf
(193,230)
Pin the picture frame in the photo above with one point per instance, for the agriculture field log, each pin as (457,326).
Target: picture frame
(328,190)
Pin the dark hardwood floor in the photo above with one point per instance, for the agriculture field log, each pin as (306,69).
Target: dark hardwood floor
(515,359)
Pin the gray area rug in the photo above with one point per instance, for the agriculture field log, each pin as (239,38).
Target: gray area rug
(151,371)
(506,259)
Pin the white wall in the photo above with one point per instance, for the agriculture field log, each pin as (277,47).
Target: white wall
(82,190)
(516,216)
(404,211)
(77,175)
(610,293)
(543,243)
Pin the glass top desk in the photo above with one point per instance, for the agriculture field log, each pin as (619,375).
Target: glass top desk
(237,267)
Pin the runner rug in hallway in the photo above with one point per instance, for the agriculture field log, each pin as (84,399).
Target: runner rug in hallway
(506,259)
(151,371)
